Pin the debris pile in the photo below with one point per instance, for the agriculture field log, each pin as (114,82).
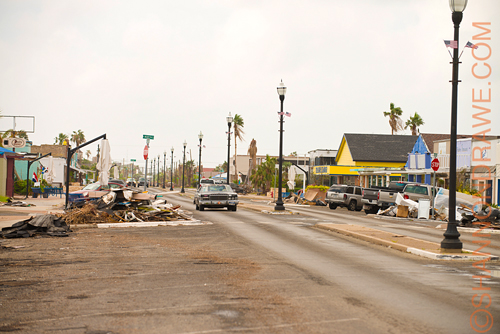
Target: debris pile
(39,225)
(487,217)
(123,206)
(312,197)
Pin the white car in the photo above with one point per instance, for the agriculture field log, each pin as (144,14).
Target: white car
(216,196)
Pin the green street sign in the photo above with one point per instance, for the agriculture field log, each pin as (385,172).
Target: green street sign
(148,137)
(133,160)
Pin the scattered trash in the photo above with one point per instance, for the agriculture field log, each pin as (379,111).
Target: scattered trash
(16,203)
(40,225)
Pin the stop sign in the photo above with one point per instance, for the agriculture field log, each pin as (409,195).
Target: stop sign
(146,151)
(435,164)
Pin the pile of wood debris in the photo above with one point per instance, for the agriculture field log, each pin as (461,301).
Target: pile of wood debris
(90,214)
(121,206)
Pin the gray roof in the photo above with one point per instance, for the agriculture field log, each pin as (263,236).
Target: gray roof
(384,148)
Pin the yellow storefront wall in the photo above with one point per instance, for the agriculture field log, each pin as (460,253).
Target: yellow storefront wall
(351,170)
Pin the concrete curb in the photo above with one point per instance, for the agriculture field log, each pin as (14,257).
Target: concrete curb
(151,224)
(478,230)
(407,219)
(405,248)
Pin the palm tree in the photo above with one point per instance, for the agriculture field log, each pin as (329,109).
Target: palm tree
(17,134)
(252,151)
(238,134)
(78,137)
(59,140)
(394,118)
(413,123)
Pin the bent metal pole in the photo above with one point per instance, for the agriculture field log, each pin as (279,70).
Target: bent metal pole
(70,153)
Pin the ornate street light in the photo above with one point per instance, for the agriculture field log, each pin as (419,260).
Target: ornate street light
(183,164)
(229,120)
(153,173)
(164,165)
(172,170)
(158,173)
(451,241)
(200,137)
(279,203)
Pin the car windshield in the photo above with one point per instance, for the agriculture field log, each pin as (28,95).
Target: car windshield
(212,188)
(92,186)
(337,189)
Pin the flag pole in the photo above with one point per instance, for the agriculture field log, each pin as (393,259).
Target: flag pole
(460,52)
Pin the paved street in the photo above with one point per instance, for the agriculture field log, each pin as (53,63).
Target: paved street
(240,271)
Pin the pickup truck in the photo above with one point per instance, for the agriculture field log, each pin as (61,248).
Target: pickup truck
(376,198)
(415,192)
(344,196)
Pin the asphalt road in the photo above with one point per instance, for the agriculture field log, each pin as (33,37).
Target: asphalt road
(239,272)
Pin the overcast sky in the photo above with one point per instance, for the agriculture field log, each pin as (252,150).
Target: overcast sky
(174,68)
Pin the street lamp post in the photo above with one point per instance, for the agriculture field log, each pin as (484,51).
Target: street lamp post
(229,120)
(153,173)
(183,165)
(164,165)
(279,203)
(451,241)
(158,173)
(200,137)
(172,170)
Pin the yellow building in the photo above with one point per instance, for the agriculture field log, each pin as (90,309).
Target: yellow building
(364,159)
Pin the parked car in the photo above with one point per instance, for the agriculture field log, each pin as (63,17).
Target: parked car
(93,191)
(416,192)
(207,181)
(123,183)
(141,182)
(376,198)
(344,196)
(131,182)
(216,196)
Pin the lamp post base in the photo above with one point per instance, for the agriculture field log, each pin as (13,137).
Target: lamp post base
(451,242)
(279,207)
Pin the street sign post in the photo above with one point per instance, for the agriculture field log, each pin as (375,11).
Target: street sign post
(435,164)
(435,167)
(148,137)
(133,160)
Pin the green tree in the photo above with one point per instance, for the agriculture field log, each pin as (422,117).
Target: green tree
(61,137)
(264,174)
(238,134)
(413,123)
(394,118)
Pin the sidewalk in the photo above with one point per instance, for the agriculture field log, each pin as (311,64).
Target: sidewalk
(40,206)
